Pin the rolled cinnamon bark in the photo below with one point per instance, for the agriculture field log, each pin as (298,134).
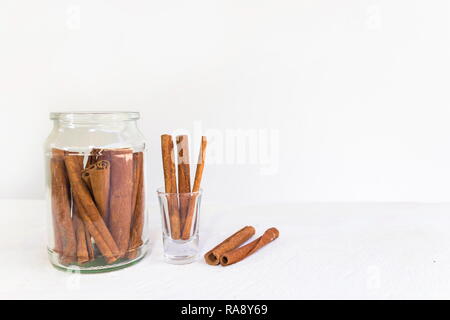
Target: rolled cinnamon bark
(97,178)
(170,183)
(57,239)
(243,252)
(121,189)
(85,248)
(93,157)
(138,206)
(89,244)
(212,257)
(186,234)
(137,172)
(88,211)
(65,240)
(80,232)
(87,180)
(184,176)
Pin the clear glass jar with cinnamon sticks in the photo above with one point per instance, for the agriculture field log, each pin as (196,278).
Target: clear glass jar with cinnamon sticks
(96,191)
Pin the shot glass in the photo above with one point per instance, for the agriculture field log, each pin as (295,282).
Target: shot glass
(180,225)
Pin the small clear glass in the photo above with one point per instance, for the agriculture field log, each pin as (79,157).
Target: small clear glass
(180,225)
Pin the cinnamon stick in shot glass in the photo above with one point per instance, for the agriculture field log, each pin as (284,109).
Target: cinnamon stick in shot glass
(184,176)
(186,234)
(170,184)
(243,252)
(212,257)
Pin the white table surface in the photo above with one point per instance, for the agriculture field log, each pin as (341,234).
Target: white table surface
(379,251)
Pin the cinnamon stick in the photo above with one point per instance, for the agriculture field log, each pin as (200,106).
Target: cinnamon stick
(97,178)
(137,172)
(57,238)
(85,248)
(138,206)
(186,234)
(212,257)
(80,232)
(88,211)
(65,241)
(93,157)
(184,176)
(90,245)
(170,182)
(120,203)
(243,252)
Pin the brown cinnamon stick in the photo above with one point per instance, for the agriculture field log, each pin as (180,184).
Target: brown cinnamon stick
(186,234)
(65,241)
(184,176)
(212,257)
(243,252)
(90,245)
(138,206)
(120,203)
(88,211)
(97,178)
(93,157)
(85,248)
(57,238)
(170,182)
(80,231)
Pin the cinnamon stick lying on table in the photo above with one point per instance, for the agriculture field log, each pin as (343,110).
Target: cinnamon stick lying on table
(186,234)
(184,179)
(88,211)
(138,206)
(65,241)
(170,183)
(243,252)
(212,257)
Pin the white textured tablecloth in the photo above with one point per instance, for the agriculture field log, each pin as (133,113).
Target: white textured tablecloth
(324,251)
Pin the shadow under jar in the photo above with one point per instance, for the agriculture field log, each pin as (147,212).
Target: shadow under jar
(97,217)
(180,214)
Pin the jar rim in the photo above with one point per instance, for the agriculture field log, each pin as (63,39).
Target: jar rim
(94,116)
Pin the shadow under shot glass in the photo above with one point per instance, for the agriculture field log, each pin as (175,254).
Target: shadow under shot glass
(180,225)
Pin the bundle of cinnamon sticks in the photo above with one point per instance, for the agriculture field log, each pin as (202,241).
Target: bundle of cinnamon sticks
(181,197)
(228,251)
(97,208)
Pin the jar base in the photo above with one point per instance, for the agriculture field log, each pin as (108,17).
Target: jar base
(98,265)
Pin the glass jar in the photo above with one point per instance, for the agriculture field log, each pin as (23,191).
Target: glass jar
(97,219)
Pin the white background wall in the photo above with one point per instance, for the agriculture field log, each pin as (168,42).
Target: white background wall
(357,91)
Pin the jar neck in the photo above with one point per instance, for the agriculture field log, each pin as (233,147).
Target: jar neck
(94,119)
(105,125)
(80,132)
